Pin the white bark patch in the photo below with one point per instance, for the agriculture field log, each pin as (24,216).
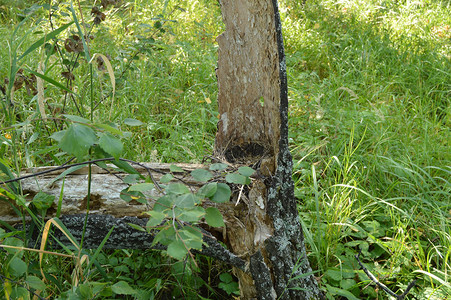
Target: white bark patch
(225,122)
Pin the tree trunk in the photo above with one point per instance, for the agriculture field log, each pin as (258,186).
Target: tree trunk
(253,130)
(263,232)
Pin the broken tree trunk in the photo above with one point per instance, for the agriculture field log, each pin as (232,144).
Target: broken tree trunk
(263,232)
(253,130)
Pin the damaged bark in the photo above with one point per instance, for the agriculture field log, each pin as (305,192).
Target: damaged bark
(253,130)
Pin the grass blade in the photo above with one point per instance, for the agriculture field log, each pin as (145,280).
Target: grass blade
(110,73)
(80,32)
(46,37)
(51,81)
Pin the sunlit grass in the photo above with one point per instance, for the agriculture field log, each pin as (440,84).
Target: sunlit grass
(370,117)
(382,69)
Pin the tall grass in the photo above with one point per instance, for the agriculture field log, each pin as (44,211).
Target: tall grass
(377,72)
(369,91)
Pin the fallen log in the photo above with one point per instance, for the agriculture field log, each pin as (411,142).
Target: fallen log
(105,190)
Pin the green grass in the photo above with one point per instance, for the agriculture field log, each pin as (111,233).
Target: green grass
(370,98)
(370,117)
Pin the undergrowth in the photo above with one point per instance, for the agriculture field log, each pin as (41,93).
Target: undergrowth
(369,91)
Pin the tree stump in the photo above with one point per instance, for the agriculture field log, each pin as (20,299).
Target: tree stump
(253,130)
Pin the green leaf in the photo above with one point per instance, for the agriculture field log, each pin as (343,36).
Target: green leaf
(192,237)
(177,250)
(101,289)
(334,274)
(137,227)
(132,122)
(111,144)
(123,288)
(341,292)
(213,217)
(176,169)
(208,190)
(5,168)
(166,178)
(229,288)
(85,290)
(33,138)
(218,167)
(141,187)
(35,283)
(13,241)
(236,178)
(201,175)
(190,215)
(164,203)
(165,236)
(77,140)
(222,194)
(128,196)
(246,171)
(77,119)
(109,128)
(125,166)
(19,292)
(43,201)
(226,277)
(45,38)
(187,200)
(177,188)
(131,178)
(155,218)
(17,267)
(58,136)
(227,283)
(122,268)
(66,172)
(348,284)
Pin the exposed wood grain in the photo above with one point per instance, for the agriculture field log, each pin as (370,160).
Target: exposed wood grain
(105,191)
(248,82)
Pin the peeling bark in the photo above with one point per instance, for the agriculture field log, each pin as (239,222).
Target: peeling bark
(105,191)
(253,130)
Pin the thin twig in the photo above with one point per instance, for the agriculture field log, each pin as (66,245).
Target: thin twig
(383,286)
(66,166)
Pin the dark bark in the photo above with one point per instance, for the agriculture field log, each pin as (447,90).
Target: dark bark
(262,277)
(124,236)
(286,248)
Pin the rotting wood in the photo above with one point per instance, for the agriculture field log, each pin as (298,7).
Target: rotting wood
(105,191)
